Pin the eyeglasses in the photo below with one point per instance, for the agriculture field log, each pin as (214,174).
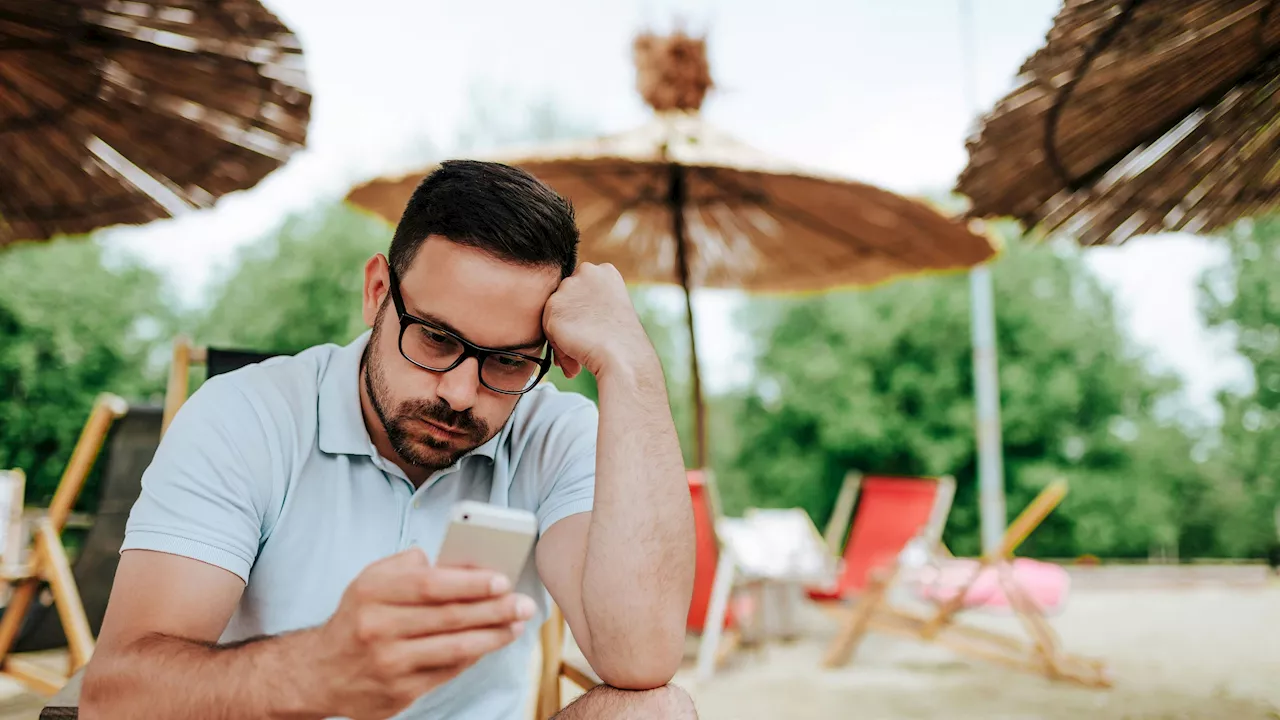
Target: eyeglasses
(434,348)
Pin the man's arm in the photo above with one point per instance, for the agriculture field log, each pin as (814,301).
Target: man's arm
(623,573)
(401,629)
(157,656)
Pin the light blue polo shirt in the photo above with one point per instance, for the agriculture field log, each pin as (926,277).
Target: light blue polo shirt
(269,472)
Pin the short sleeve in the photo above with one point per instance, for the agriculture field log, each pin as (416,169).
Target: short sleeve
(205,494)
(569,464)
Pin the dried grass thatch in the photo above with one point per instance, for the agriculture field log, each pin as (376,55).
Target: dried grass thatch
(751,221)
(672,72)
(1137,117)
(121,112)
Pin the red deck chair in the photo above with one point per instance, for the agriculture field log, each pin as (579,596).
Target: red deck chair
(882,529)
(712,565)
(705,512)
(891,511)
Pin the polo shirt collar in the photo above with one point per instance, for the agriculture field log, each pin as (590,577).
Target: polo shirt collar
(342,430)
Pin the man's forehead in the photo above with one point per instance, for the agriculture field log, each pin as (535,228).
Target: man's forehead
(486,300)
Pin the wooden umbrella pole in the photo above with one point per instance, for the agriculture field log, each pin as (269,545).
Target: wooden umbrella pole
(676,197)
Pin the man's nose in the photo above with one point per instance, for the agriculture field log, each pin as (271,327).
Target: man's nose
(459,386)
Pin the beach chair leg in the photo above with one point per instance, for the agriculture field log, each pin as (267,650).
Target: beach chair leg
(552,636)
(840,651)
(1054,662)
(24,592)
(946,611)
(66,596)
(717,607)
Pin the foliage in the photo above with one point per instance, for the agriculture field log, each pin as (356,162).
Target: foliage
(881,381)
(1242,297)
(298,287)
(71,327)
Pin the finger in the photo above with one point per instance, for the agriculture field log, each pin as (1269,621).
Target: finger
(450,649)
(568,365)
(415,585)
(405,621)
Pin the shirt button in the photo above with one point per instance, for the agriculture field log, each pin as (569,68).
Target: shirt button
(416,503)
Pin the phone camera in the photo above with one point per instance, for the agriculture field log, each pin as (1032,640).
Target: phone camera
(466,517)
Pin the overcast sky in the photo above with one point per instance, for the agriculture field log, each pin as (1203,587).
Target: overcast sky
(870,89)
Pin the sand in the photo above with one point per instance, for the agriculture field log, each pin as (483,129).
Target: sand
(1174,652)
(1179,645)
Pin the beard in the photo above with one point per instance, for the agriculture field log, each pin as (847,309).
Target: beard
(399,419)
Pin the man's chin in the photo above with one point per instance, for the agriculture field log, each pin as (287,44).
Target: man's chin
(431,453)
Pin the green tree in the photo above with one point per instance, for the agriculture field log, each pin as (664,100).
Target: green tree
(71,326)
(881,381)
(1242,297)
(299,286)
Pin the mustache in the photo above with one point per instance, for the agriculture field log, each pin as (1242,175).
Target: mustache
(441,414)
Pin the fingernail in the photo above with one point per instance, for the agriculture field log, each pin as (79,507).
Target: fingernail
(499,584)
(517,628)
(525,607)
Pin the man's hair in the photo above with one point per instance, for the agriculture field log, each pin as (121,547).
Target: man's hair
(496,208)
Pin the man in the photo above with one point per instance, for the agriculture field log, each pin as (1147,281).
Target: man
(274,564)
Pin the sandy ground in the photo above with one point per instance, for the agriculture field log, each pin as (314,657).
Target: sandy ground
(1201,649)
(1177,646)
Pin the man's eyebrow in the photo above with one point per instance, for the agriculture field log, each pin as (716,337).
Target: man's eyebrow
(516,347)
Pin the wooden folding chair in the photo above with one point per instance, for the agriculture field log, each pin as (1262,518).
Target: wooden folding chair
(47,562)
(1043,654)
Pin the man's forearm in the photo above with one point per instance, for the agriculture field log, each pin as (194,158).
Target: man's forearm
(638,573)
(163,676)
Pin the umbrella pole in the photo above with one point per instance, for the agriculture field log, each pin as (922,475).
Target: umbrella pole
(676,197)
(986,376)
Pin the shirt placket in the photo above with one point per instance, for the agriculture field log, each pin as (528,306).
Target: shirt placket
(414,503)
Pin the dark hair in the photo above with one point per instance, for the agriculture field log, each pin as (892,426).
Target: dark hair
(497,208)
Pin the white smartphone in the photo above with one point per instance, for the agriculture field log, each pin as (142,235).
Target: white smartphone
(490,537)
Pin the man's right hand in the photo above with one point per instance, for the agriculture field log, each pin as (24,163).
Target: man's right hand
(404,628)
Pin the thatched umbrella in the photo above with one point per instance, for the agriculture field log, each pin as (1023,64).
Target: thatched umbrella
(1137,117)
(678,201)
(123,112)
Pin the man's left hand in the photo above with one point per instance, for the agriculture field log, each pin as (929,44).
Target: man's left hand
(590,322)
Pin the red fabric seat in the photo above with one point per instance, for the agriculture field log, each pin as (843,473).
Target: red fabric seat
(890,512)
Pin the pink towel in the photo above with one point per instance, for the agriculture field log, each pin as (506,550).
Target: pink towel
(1044,583)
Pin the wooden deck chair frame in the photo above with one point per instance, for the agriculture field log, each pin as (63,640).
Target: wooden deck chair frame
(555,666)
(1043,654)
(175,394)
(48,561)
(853,619)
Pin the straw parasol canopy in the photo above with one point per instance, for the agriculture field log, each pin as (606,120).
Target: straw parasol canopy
(124,112)
(1137,117)
(677,201)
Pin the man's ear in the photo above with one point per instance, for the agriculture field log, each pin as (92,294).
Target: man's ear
(377,283)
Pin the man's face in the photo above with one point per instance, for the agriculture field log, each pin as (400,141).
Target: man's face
(431,418)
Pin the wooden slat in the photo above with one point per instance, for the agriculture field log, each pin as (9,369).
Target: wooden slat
(42,680)
(105,411)
(66,596)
